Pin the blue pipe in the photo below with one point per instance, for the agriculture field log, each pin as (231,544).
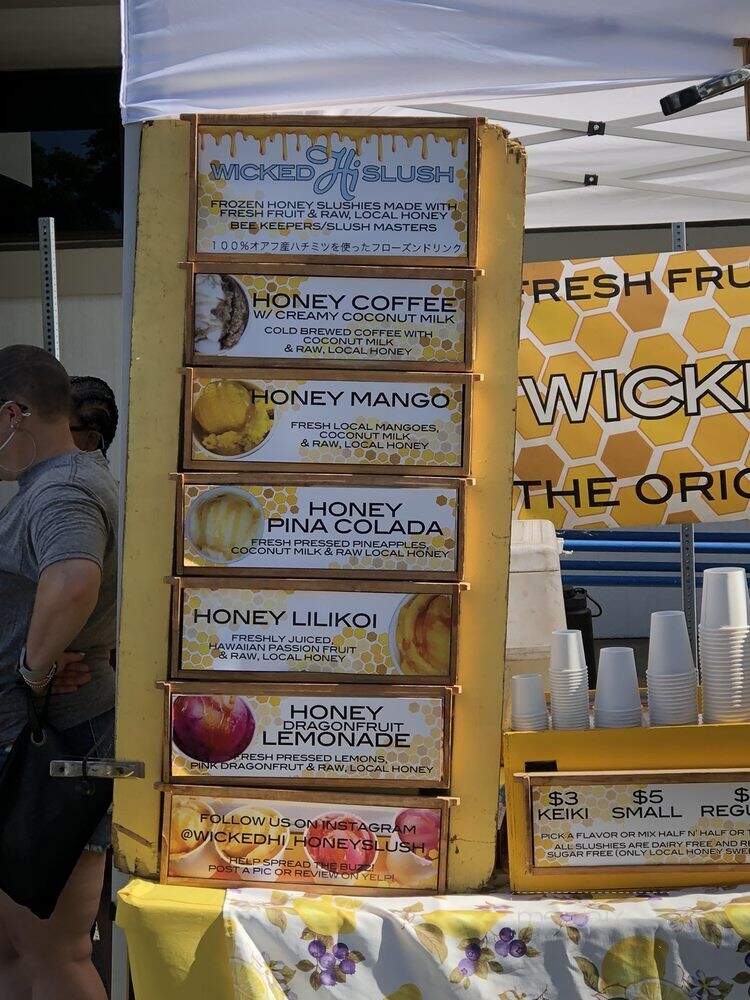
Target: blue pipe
(620,581)
(654,536)
(631,566)
(587,545)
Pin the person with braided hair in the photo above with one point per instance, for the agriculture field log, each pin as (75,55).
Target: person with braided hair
(93,424)
(93,416)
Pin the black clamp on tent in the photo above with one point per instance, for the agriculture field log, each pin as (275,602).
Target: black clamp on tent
(596,128)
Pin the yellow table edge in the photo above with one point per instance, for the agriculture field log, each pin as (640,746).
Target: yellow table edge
(178,943)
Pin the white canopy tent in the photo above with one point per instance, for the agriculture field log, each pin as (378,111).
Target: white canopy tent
(551,75)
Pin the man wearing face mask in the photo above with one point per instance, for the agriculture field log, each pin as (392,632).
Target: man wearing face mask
(58,556)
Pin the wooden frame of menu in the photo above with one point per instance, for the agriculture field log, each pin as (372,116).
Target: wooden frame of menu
(470,125)
(266,479)
(182,584)
(443,803)
(446,695)
(312,270)
(466,380)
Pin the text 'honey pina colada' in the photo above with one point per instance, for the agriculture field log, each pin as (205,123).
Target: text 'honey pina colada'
(312,526)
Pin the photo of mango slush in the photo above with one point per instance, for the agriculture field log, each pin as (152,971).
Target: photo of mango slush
(227,421)
(221,313)
(222,520)
(420,635)
(191,850)
(246,850)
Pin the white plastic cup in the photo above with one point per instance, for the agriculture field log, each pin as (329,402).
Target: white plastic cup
(568,678)
(528,707)
(631,721)
(672,682)
(669,650)
(720,650)
(570,722)
(530,724)
(673,700)
(669,706)
(721,636)
(569,689)
(617,716)
(617,681)
(738,653)
(725,675)
(722,633)
(688,717)
(725,597)
(527,694)
(566,651)
(719,717)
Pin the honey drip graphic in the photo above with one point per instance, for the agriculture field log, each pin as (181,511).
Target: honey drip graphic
(360,135)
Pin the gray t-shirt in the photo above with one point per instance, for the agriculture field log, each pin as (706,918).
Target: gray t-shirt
(65,508)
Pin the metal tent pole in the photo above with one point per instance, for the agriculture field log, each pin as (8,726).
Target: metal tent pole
(687,533)
(48,266)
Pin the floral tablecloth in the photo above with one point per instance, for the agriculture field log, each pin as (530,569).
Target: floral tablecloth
(646,947)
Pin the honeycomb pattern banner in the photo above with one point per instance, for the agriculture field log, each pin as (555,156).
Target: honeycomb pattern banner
(364,738)
(632,402)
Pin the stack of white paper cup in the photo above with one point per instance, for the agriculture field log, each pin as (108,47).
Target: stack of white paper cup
(671,676)
(528,707)
(568,681)
(724,640)
(617,704)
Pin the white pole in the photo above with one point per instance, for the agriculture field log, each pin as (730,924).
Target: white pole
(48,267)
(687,533)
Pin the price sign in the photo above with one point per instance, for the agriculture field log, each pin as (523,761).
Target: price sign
(618,822)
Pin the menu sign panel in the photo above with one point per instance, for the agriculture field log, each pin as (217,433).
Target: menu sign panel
(627,823)
(262,629)
(374,844)
(245,417)
(373,318)
(410,529)
(312,188)
(340,734)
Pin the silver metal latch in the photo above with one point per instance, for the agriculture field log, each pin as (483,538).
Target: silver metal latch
(103,767)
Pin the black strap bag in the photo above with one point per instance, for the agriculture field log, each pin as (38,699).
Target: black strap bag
(45,822)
